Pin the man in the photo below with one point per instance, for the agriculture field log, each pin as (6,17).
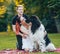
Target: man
(17,21)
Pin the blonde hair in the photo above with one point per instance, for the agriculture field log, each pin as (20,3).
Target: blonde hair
(19,6)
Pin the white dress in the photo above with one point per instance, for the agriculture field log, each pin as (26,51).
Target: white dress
(27,43)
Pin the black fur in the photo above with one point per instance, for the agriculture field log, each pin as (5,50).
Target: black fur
(35,23)
(47,40)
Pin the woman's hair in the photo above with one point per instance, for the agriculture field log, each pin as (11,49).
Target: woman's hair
(35,23)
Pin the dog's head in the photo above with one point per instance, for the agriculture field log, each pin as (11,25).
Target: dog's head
(35,23)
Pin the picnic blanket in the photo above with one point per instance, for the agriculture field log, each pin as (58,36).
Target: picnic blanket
(11,51)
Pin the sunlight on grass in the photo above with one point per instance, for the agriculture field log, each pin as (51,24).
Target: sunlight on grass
(8,41)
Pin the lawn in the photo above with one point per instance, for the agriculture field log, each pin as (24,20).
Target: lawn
(8,41)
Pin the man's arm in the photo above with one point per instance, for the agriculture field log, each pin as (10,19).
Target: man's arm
(14,30)
(13,27)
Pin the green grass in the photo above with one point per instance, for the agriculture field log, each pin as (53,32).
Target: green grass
(8,41)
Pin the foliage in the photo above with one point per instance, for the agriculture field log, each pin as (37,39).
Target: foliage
(46,10)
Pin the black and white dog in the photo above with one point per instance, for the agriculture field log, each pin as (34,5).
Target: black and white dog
(40,36)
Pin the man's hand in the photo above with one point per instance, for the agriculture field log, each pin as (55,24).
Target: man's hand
(24,36)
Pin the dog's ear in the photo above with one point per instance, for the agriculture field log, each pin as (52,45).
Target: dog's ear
(28,21)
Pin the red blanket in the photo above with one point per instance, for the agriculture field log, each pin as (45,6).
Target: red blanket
(19,52)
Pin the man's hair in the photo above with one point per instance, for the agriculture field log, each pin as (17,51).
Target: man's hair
(19,6)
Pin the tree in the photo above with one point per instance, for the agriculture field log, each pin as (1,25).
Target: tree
(47,10)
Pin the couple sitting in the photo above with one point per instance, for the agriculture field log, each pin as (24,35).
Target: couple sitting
(35,34)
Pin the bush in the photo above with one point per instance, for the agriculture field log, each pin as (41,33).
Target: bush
(3,25)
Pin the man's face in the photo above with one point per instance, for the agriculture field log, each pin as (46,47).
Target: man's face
(20,10)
